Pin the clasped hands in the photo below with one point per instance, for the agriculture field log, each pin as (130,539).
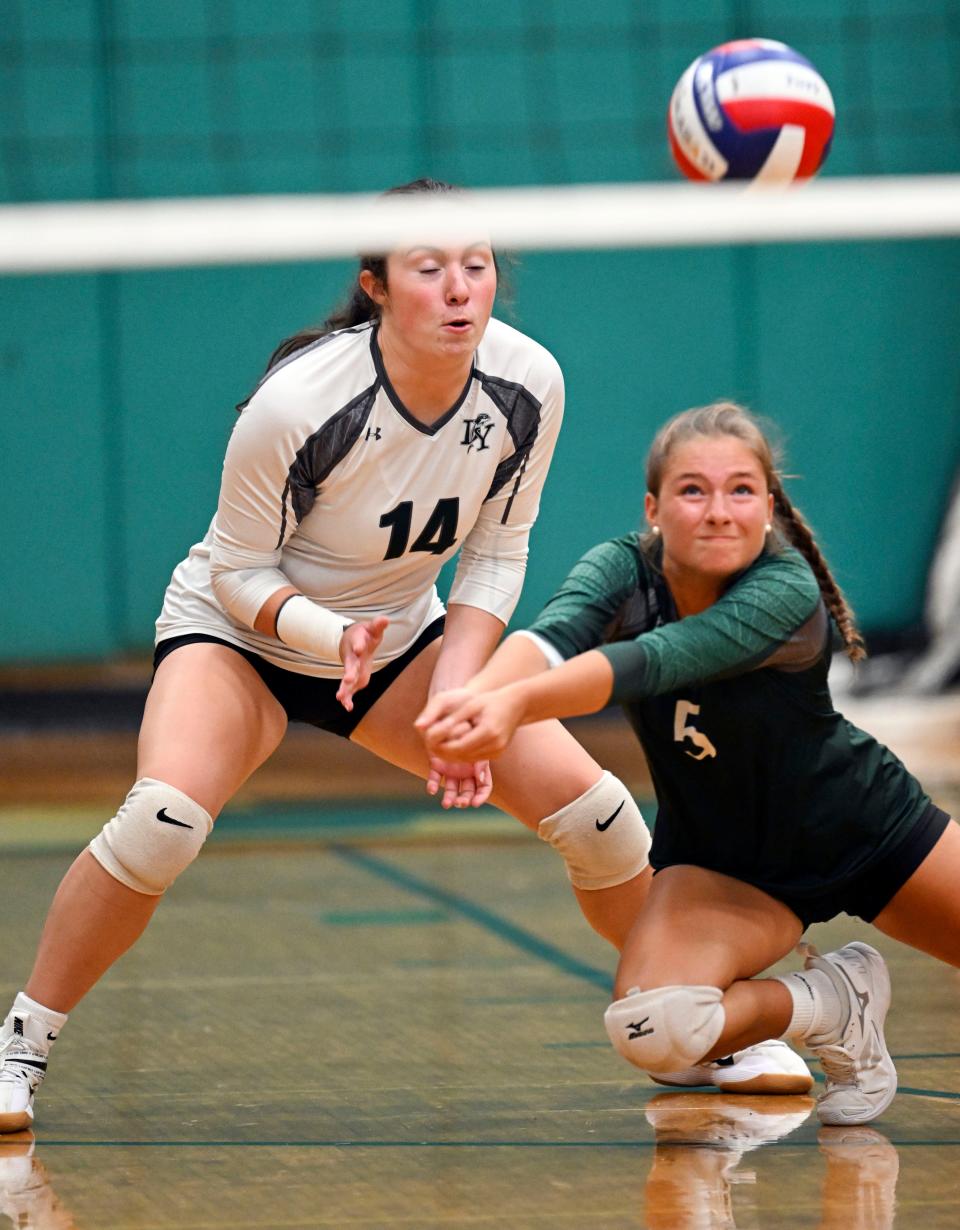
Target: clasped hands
(461,729)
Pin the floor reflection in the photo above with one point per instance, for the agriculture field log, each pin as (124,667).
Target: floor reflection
(859,1191)
(702,1139)
(27,1201)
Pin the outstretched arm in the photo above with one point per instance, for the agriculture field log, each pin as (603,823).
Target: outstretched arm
(517,658)
(471,724)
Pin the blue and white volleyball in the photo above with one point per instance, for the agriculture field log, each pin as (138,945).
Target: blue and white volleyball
(751,109)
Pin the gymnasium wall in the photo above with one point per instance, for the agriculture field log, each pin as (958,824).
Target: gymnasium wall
(117,390)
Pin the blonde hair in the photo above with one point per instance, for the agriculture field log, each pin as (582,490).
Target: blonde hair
(726,418)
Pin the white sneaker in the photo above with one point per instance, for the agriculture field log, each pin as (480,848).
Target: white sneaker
(861,1080)
(25,1043)
(767,1067)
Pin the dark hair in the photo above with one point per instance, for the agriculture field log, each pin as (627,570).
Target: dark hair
(726,418)
(359,307)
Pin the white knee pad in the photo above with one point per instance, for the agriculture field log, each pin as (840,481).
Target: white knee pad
(155,835)
(668,1028)
(601,835)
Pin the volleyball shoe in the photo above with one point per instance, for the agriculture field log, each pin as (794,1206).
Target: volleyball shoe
(25,1042)
(767,1067)
(860,1077)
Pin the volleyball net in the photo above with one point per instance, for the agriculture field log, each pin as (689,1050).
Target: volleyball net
(114,235)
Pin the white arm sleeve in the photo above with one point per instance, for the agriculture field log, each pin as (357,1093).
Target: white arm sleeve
(310,627)
(252,519)
(493,560)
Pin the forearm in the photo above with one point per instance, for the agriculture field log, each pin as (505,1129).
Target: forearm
(294,620)
(469,637)
(266,621)
(517,658)
(582,685)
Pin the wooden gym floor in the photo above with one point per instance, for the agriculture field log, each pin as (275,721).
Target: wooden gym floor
(357,1011)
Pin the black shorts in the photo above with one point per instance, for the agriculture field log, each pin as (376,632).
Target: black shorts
(867,894)
(306,698)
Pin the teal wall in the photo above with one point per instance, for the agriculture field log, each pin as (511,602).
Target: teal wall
(116,391)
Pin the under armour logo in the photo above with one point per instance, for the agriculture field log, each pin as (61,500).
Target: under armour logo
(638,1030)
(475,432)
(373,433)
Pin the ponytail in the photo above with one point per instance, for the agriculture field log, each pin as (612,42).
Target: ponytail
(357,310)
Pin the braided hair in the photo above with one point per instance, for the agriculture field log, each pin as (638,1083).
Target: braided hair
(726,418)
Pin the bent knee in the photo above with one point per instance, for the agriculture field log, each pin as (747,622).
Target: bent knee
(601,836)
(668,1028)
(156,834)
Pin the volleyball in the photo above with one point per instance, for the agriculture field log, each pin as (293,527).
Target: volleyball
(752,109)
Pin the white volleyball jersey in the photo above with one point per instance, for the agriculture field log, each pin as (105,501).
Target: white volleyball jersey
(331,485)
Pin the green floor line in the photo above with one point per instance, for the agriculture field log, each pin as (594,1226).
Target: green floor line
(641,1145)
(519,937)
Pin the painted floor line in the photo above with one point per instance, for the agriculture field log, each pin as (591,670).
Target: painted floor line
(641,1145)
(519,937)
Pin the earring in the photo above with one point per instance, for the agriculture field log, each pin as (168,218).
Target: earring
(768,527)
(654,529)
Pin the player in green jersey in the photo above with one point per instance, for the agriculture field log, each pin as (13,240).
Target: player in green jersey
(714,629)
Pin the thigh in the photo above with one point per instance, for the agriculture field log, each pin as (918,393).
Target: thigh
(925,913)
(701,928)
(209,721)
(542,770)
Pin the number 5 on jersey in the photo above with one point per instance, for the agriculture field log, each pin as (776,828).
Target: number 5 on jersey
(437,536)
(681,730)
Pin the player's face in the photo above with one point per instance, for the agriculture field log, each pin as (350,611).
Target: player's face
(712,509)
(438,301)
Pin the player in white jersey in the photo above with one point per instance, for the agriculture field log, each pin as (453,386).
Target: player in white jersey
(410,426)
(312,486)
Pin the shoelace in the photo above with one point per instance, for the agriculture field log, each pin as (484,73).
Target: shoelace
(19,1066)
(838,1067)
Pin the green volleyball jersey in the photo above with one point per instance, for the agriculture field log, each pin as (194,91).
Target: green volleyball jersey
(755,772)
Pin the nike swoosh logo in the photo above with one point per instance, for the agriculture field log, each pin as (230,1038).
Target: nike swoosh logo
(52,1037)
(606,824)
(162,815)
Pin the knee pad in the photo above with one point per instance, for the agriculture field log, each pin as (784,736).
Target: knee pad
(601,835)
(668,1028)
(155,835)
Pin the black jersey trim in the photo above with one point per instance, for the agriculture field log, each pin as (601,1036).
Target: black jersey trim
(522,411)
(424,428)
(320,453)
(308,346)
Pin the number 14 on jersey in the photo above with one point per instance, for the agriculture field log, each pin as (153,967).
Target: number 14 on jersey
(437,536)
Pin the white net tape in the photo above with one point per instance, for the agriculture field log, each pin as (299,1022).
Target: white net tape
(156,233)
